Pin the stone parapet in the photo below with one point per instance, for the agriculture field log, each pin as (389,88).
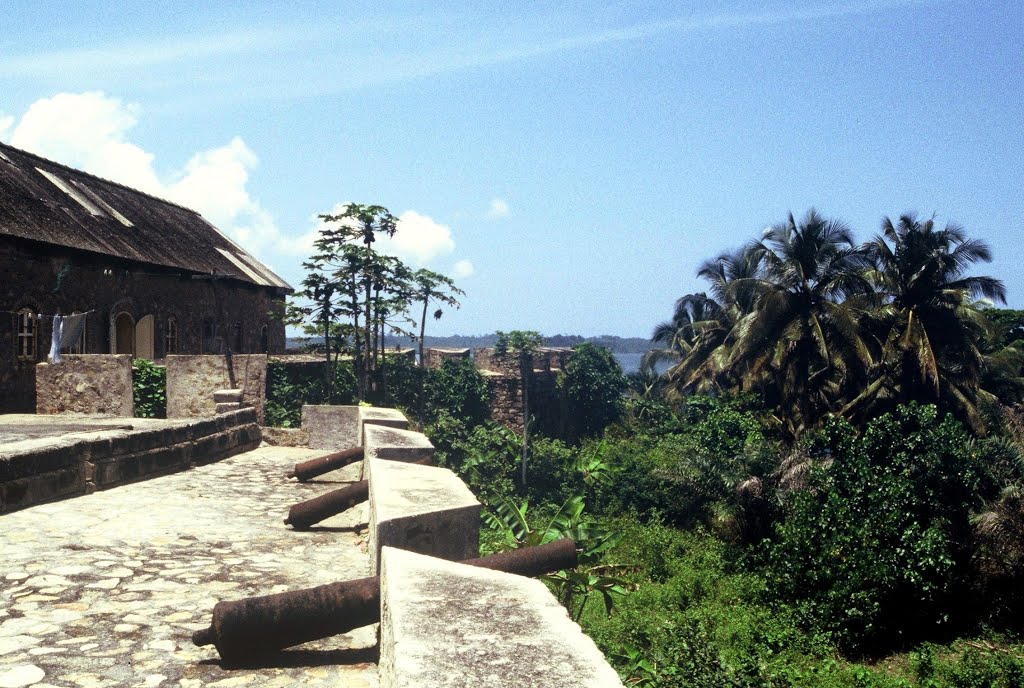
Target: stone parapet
(393,444)
(193,382)
(332,427)
(440,620)
(421,508)
(89,383)
(34,471)
(336,427)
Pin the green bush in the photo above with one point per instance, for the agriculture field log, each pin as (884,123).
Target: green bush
(593,385)
(876,549)
(290,387)
(404,386)
(149,389)
(689,471)
(456,387)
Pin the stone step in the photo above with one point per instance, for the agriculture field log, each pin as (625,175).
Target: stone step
(226,396)
(225,407)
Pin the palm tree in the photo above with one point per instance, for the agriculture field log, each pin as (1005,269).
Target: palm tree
(930,323)
(700,334)
(800,345)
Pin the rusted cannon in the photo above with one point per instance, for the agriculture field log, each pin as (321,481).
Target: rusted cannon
(310,512)
(304,514)
(245,630)
(304,470)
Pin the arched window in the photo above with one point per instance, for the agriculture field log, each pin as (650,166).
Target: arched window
(236,338)
(264,341)
(171,336)
(28,335)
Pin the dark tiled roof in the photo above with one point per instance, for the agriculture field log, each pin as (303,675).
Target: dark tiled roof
(48,202)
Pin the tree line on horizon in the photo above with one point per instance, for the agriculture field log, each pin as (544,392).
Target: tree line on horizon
(816,324)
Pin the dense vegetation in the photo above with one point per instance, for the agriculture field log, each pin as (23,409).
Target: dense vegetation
(149,389)
(826,488)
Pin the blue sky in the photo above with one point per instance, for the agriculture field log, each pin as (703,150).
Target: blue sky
(572,163)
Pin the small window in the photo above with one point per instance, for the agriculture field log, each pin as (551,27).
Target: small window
(171,337)
(236,338)
(28,335)
(264,342)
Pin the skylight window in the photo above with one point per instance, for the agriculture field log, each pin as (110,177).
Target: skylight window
(262,269)
(244,268)
(74,193)
(99,201)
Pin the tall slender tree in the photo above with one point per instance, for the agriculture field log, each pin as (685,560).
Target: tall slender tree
(432,286)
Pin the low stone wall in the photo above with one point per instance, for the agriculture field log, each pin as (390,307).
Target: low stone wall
(192,380)
(285,437)
(441,619)
(88,383)
(395,444)
(45,470)
(422,509)
(337,428)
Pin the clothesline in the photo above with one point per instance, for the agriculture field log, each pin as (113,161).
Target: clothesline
(66,331)
(40,316)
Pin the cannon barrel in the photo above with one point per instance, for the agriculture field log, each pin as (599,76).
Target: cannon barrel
(304,514)
(245,630)
(304,470)
(310,512)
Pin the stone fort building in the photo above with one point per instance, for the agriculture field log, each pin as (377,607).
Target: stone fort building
(152,277)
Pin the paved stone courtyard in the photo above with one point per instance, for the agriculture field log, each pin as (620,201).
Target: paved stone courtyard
(106,589)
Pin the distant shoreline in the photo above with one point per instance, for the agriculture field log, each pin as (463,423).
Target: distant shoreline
(617,345)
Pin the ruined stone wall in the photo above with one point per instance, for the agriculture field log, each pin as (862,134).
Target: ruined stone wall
(506,397)
(51,280)
(505,387)
(433,358)
(192,380)
(86,384)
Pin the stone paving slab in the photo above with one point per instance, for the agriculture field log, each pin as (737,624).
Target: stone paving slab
(106,589)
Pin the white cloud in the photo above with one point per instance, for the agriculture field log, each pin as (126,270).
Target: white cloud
(90,131)
(418,240)
(462,269)
(6,122)
(498,208)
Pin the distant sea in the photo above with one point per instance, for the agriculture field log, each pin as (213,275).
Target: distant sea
(630,362)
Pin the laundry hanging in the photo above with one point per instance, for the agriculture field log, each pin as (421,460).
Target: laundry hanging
(54,355)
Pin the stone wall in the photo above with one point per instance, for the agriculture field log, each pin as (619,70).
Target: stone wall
(44,470)
(48,279)
(433,358)
(547,405)
(192,380)
(86,384)
(441,619)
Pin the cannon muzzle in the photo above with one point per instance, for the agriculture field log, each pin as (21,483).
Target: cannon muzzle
(305,470)
(245,630)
